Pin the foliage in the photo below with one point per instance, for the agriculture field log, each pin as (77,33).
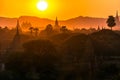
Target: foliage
(77,56)
(64,29)
(111,22)
(38,61)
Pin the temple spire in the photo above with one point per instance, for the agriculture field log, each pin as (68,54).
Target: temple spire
(117,16)
(17,28)
(117,13)
(56,22)
(57,27)
(117,19)
(16,42)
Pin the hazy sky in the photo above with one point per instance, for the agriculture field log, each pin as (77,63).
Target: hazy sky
(63,9)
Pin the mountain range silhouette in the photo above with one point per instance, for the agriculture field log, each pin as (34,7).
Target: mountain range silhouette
(77,22)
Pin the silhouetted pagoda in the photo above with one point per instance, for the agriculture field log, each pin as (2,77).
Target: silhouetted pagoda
(16,42)
(117,20)
(56,27)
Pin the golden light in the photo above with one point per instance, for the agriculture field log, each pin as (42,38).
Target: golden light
(42,5)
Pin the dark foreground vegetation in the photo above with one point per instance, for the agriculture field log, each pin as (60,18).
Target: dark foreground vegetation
(66,56)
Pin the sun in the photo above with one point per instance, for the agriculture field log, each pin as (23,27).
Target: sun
(42,5)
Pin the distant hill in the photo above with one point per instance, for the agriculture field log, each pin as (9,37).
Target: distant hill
(86,22)
(4,21)
(78,22)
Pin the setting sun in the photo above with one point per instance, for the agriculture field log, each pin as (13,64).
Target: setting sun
(42,5)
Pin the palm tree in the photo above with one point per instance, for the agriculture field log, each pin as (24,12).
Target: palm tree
(36,31)
(31,30)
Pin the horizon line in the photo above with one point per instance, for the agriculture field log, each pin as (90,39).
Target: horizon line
(49,18)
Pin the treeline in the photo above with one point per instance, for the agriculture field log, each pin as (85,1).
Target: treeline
(66,56)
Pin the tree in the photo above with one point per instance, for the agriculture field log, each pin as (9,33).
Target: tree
(39,46)
(72,52)
(111,22)
(48,31)
(37,62)
(107,72)
(42,56)
(36,31)
(63,29)
(15,66)
(49,28)
(31,30)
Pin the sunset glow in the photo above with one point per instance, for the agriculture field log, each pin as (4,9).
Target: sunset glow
(59,39)
(64,9)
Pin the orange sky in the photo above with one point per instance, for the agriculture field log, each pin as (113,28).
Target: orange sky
(63,9)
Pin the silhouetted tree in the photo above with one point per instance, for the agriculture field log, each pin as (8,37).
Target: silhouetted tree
(110,40)
(75,47)
(36,31)
(44,57)
(111,22)
(15,66)
(5,29)
(37,62)
(31,30)
(26,25)
(49,29)
(63,29)
(108,72)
